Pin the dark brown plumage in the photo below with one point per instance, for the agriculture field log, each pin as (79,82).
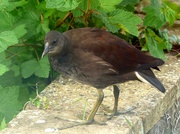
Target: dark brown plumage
(98,58)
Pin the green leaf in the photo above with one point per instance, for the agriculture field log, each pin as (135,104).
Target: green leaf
(16,70)
(126,21)
(155,44)
(20,30)
(120,19)
(128,5)
(2,55)
(35,27)
(94,4)
(9,79)
(45,26)
(9,6)
(174,7)
(154,16)
(28,68)
(3,4)
(49,13)
(164,35)
(9,104)
(82,7)
(14,5)
(111,27)
(7,38)
(6,22)
(3,69)
(3,124)
(62,5)
(108,6)
(32,23)
(43,68)
(129,2)
(40,69)
(105,19)
(170,14)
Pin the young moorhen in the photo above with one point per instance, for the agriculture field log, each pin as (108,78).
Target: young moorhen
(98,58)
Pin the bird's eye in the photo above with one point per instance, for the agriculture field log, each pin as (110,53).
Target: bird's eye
(54,42)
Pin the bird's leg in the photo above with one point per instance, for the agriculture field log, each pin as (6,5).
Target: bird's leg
(116,93)
(116,97)
(90,118)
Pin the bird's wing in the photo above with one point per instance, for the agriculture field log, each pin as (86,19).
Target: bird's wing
(110,49)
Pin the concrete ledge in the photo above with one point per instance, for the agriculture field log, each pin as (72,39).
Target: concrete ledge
(71,100)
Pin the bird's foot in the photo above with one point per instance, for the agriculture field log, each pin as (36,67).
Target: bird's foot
(114,112)
(79,123)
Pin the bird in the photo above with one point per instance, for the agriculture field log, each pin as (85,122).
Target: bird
(98,58)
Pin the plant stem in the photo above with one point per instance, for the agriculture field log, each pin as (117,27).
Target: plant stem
(63,19)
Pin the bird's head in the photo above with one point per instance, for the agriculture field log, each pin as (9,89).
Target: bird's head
(54,43)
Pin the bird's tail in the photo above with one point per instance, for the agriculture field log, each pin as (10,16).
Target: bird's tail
(149,77)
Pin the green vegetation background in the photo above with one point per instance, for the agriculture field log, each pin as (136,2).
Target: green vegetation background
(24,23)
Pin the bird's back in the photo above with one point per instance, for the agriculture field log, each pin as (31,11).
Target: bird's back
(111,49)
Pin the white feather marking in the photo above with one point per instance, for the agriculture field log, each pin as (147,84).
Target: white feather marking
(103,63)
(113,70)
(141,78)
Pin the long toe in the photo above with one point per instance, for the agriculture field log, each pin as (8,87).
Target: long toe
(78,123)
(115,112)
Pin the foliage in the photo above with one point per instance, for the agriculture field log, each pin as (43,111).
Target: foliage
(9,103)
(24,23)
(3,124)
(157,15)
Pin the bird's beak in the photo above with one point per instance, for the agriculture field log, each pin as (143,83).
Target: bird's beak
(46,49)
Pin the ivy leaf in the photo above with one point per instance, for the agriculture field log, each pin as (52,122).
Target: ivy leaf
(62,5)
(7,38)
(154,16)
(39,68)
(3,69)
(108,6)
(9,104)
